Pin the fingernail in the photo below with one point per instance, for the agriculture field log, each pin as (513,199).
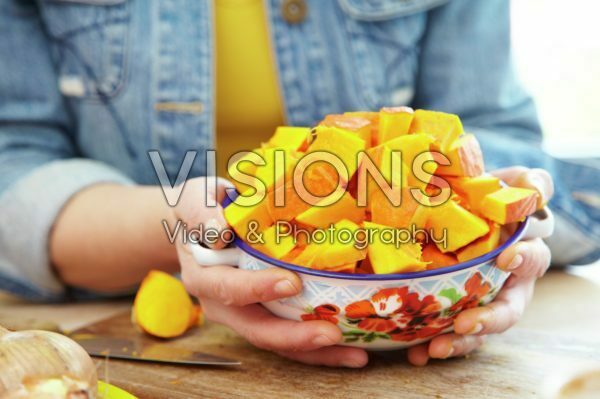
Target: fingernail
(475,330)
(449,353)
(515,262)
(285,287)
(323,340)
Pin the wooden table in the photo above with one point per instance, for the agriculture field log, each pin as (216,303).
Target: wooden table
(560,330)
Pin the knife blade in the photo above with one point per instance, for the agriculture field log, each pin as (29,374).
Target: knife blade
(127,349)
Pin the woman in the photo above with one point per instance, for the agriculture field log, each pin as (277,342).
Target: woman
(89,87)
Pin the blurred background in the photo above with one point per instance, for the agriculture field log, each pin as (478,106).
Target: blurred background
(557,54)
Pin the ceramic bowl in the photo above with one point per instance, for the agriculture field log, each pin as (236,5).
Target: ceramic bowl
(382,311)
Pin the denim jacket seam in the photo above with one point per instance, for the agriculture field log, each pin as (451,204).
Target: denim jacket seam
(122,79)
(395,11)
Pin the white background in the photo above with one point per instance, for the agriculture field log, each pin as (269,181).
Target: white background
(557,54)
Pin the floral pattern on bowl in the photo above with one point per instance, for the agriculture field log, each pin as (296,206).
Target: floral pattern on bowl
(398,314)
(387,314)
(382,311)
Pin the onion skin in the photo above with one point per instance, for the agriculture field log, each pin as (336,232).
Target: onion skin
(44,365)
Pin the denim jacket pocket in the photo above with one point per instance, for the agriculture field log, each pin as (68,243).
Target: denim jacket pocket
(89,40)
(384,38)
(379,10)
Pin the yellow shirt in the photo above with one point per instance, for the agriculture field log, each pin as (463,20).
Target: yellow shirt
(248,102)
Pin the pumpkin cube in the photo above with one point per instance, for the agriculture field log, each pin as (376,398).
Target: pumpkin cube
(345,145)
(411,146)
(393,122)
(474,189)
(465,158)
(482,245)
(274,246)
(347,268)
(371,116)
(426,202)
(319,180)
(337,249)
(291,256)
(239,217)
(509,204)
(385,257)
(435,258)
(306,255)
(364,267)
(445,128)
(291,138)
(385,213)
(385,160)
(244,165)
(459,226)
(324,216)
(361,127)
(279,166)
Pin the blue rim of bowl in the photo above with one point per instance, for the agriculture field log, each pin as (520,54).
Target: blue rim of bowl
(483,259)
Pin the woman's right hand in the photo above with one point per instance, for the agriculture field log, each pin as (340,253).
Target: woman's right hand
(232,296)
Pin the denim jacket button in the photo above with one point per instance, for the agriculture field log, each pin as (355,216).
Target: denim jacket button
(294,11)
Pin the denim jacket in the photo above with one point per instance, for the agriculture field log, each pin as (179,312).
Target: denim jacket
(88,87)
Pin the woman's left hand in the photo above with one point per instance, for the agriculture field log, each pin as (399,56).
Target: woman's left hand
(526,260)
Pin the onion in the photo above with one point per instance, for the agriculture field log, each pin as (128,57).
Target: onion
(44,365)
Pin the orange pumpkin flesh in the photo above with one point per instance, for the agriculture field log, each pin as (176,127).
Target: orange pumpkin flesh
(471,216)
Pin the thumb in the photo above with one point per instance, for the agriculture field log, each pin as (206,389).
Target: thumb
(199,208)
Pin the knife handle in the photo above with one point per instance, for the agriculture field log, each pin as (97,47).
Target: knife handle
(215,257)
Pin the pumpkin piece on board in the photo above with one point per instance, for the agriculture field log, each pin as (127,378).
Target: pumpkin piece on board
(162,306)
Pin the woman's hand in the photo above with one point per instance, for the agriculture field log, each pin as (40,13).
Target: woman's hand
(526,260)
(231,296)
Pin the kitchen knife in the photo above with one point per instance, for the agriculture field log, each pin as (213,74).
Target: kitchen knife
(127,349)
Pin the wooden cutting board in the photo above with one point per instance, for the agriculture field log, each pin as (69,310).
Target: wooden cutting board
(511,365)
